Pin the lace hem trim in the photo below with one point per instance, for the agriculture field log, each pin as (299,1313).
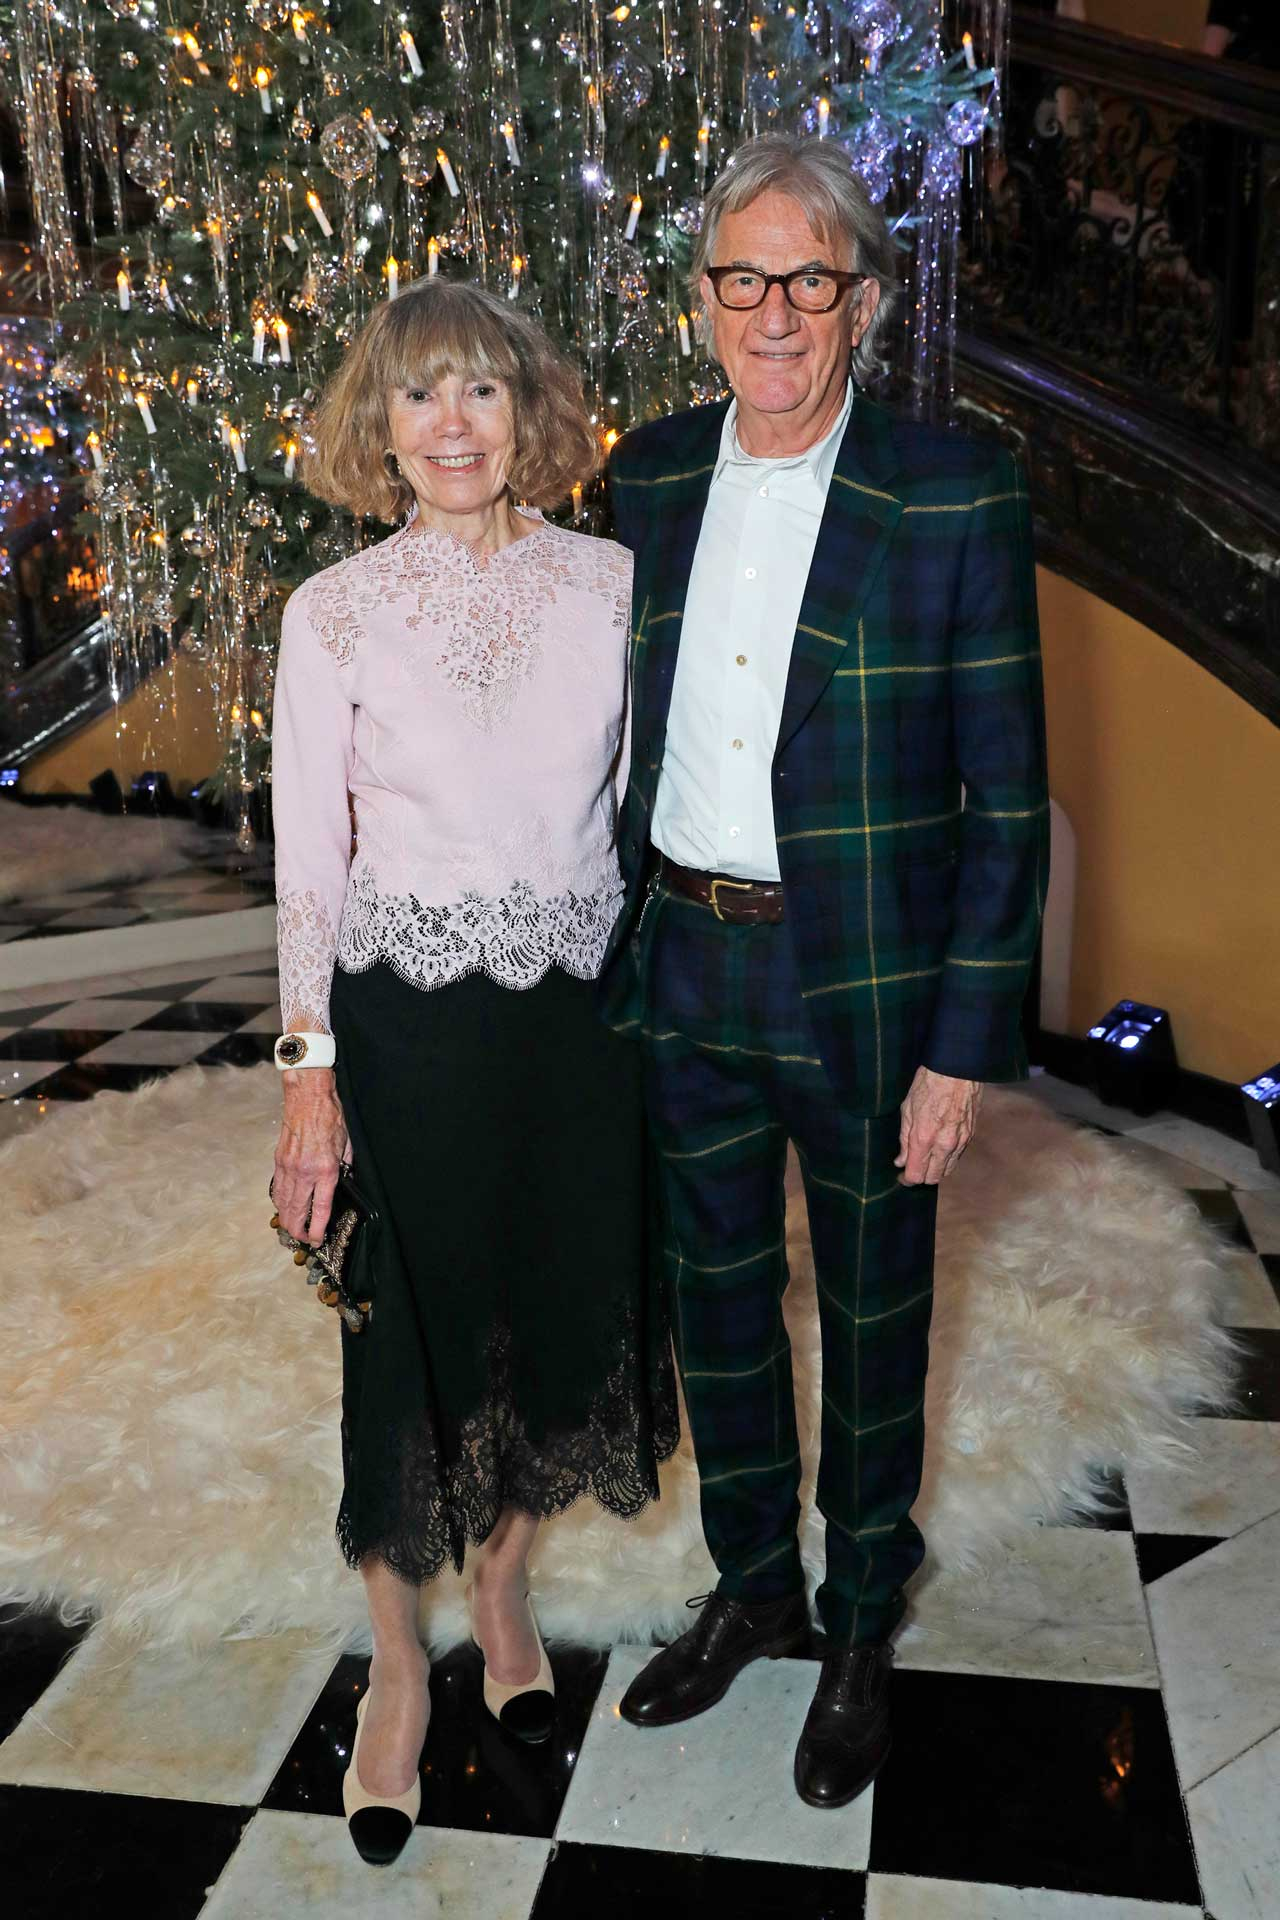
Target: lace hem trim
(514,938)
(446,1506)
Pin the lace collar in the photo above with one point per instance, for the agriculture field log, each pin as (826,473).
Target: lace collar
(414,540)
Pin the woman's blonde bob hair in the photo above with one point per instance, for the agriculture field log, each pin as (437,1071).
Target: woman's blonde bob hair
(435,328)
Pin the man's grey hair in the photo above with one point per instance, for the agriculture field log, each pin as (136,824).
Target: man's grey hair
(817,175)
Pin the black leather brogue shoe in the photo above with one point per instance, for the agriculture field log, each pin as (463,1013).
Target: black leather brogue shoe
(697,1669)
(846,1735)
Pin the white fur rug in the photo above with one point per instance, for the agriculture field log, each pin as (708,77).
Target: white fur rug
(47,850)
(169,1387)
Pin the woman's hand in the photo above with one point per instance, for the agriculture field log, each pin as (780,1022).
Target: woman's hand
(310,1151)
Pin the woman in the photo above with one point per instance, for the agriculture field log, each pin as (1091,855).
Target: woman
(464,681)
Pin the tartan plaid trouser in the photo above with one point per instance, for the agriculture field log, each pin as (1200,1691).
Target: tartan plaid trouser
(732,1073)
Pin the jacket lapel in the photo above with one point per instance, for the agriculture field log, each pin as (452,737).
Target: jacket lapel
(680,499)
(861,514)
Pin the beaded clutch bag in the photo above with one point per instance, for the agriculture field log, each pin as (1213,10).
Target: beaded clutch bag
(341,1267)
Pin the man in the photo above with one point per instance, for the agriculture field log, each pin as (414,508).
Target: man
(835,844)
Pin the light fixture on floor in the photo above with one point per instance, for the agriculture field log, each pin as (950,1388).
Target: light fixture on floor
(1131,1057)
(9,777)
(1262,1106)
(152,793)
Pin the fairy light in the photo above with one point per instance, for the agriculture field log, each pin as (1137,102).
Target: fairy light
(300,28)
(321,218)
(410,52)
(610,439)
(450,177)
(633,220)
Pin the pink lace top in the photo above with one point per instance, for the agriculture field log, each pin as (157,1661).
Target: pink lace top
(474,710)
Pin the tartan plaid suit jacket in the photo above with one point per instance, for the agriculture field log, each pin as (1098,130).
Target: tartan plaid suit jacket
(910,795)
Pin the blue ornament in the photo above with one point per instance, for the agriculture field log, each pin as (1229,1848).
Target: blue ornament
(965,121)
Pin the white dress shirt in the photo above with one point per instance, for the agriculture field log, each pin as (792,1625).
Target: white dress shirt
(714,806)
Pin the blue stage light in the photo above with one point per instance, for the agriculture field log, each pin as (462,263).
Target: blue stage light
(1262,1110)
(1132,1057)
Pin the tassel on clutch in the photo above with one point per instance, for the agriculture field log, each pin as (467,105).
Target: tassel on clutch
(341,1267)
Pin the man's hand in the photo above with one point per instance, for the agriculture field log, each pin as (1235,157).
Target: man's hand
(938,1118)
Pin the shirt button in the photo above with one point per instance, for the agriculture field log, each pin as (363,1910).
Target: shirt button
(751,573)
(764,493)
(742,659)
(735,743)
(734,832)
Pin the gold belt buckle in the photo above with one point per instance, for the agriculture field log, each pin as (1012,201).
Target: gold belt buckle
(743,886)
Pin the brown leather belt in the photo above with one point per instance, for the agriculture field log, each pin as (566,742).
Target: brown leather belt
(741,903)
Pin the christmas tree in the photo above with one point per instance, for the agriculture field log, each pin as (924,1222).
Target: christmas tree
(224,188)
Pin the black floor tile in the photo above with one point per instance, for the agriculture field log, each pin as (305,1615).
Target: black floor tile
(474,1776)
(81,1079)
(24,1016)
(1161,1553)
(1271,1262)
(1218,1209)
(77,1856)
(197,1016)
(1115,1516)
(238,1050)
(33,1647)
(632,1883)
(52,1043)
(1258,1380)
(1032,1782)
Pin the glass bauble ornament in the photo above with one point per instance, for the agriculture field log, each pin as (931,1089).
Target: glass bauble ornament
(628,82)
(198,540)
(65,374)
(427,124)
(348,150)
(301,126)
(128,59)
(246,838)
(149,161)
(965,121)
(688,217)
(418,163)
(942,167)
(763,94)
(876,23)
(224,135)
(568,44)
(125,9)
(257,510)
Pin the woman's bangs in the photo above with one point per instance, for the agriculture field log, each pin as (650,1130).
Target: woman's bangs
(438,337)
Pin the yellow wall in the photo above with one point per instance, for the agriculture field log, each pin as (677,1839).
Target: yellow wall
(1172,785)
(168,723)
(1178,22)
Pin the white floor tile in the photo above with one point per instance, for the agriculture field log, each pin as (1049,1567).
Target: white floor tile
(1235,1824)
(159,1047)
(1231,1481)
(16,1075)
(56,993)
(300,1864)
(1236,1162)
(229,986)
(1066,1604)
(721,1783)
(1262,1217)
(897,1897)
(1079,1103)
(105,1014)
(1218,1644)
(268,1021)
(1249,1299)
(177,1726)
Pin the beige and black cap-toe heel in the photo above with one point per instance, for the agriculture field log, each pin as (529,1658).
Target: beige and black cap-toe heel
(527,1712)
(379,1827)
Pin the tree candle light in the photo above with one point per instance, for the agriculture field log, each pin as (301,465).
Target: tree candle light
(122,290)
(433,257)
(634,219)
(393,277)
(410,52)
(259,339)
(450,177)
(664,148)
(282,341)
(236,445)
(509,135)
(682,328)
(313,201)
(262,81)
(95,450)
(824,118)
(290,459)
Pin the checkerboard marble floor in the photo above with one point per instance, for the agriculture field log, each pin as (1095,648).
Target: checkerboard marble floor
(219,880)
(1089,1732)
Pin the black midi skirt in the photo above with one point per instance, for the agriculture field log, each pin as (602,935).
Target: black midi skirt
(518,1353)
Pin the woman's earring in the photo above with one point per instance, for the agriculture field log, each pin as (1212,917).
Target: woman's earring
(389,454)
